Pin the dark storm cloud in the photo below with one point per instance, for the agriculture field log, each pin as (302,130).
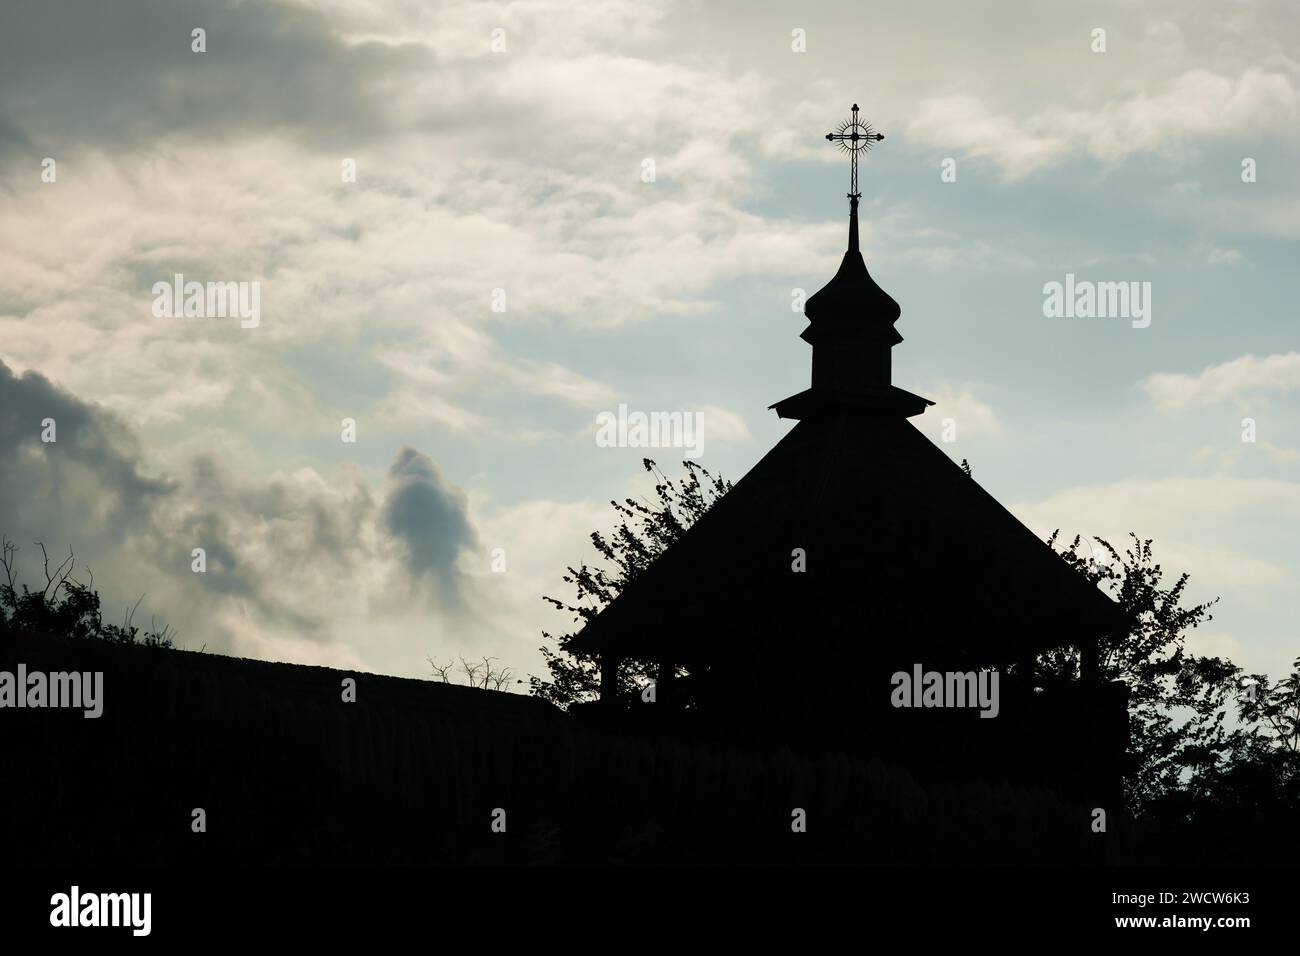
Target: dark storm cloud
(270,543)
(429,515)
(87,439)
(121,72)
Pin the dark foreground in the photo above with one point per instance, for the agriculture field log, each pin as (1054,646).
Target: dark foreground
(417,774)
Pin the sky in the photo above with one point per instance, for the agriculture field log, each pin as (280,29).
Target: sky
(563,207)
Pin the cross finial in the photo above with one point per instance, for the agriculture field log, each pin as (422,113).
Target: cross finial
(853,137)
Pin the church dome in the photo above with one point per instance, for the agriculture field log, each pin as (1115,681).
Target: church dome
(852,295)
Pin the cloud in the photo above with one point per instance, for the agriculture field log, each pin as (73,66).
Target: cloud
(1226,459)
(226,165)
(1224,257)
(74,73)
(300,565)
(973,419)
(722,425)
(1233,535)
(350,272)
(1197,107)
(92,457)
(539,539)
(428,515)
(1172,391)
(963,123)
(1202,525)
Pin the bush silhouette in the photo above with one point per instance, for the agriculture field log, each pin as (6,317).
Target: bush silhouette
(65,607)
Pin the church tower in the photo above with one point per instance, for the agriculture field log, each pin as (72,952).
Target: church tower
(851,323)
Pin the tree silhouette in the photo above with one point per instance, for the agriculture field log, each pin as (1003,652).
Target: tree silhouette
(1274,708)
(65,607)
(483,673)
(644,532)
(1178,702)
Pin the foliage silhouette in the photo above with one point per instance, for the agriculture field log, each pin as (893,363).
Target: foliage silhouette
(1182,750)
(65,607)
(644,532)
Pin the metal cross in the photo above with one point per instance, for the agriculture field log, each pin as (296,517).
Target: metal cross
(854,136)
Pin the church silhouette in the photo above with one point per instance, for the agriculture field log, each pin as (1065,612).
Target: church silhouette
(857,550)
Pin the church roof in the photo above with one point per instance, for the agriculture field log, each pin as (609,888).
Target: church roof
(895,534)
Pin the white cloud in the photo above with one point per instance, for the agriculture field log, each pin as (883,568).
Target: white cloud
(973,419)
(1173,391)
(965,124)
(1196,108)
(724,426)
(1224,257)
